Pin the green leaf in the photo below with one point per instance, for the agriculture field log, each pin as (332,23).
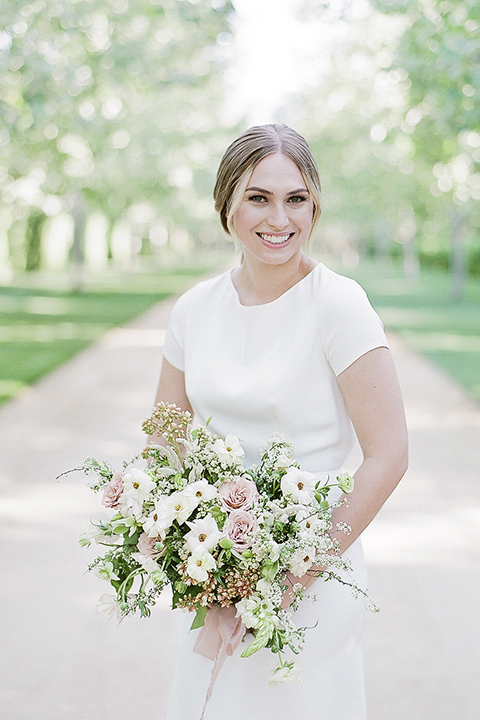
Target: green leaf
(199,619)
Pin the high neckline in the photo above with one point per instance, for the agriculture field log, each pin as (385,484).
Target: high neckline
(276,300)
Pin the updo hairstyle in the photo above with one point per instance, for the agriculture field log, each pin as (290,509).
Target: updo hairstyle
(244,154)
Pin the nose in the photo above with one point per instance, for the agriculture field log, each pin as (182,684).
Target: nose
(277,217)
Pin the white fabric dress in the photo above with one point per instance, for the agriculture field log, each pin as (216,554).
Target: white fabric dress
(255,370)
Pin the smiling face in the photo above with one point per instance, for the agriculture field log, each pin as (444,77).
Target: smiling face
(274,218)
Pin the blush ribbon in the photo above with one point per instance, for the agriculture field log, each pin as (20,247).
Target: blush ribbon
(220,636)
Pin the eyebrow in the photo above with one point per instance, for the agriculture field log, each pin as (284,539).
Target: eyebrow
(268,192)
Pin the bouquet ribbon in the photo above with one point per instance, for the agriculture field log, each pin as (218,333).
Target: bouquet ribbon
(220,635)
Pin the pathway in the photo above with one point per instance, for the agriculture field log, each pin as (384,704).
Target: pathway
(60,661)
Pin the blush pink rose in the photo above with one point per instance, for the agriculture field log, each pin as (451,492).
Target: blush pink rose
(112,492)
(238,494)
(239,528)
(146,545)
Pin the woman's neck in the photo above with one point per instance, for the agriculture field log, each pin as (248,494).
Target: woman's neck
(258,283)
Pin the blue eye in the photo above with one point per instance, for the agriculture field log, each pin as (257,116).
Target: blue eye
(258,198)
(295,199)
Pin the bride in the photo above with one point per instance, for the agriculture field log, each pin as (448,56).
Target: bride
(282,343)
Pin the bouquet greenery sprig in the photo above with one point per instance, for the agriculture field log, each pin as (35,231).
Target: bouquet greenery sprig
(194,519)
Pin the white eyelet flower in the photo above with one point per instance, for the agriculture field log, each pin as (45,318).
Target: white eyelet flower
(160,519)
(229,451)
(204,533)
(182,505)
(300,484)
(137,484)
(301,561)
(199,563)
(201,491)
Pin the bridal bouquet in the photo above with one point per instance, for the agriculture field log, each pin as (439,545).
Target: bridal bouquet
(216,533)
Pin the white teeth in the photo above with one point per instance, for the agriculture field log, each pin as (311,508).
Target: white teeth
(275,239)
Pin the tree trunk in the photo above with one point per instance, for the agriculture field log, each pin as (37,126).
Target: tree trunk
(459,255)
(77,252)
(33,240)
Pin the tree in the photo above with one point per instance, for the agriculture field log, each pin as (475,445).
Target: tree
(111,104)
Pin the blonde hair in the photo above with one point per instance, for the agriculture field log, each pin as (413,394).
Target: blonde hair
(244,154)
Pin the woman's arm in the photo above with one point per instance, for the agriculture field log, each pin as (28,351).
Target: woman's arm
(171,387)
(374,402)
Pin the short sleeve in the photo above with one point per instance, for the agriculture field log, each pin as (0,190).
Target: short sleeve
(350,325)
(174,347)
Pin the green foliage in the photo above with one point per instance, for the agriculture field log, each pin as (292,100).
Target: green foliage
(395,126)
(114,100)
(422,314)
(42,328)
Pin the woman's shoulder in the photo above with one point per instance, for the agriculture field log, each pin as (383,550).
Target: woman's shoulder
(335,288)
(203,291)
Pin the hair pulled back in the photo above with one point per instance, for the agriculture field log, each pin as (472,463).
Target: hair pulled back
(244,154)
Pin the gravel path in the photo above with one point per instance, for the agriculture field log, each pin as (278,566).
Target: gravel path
(60,661)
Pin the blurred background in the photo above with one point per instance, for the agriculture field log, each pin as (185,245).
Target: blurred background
(114,115)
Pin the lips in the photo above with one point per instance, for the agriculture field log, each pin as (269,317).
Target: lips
(273,239)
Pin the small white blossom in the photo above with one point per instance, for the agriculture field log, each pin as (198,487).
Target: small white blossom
(105,571)
(108,607)
(287,673)
(203,533)
(160,519)
(300,484)
(301,561)
(254,610)
(199,563)
(346,483)
(201,491)
(182,505)
(229,451)
(137,484)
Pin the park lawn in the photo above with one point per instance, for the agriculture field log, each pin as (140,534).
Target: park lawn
(42,327)
(421,311)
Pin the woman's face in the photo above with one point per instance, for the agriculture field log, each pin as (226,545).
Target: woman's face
(274,217)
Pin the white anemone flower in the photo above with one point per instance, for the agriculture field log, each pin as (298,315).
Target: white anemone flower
(300,484)
(229,451)
(199,563)
(203,533)
(160,519)
(109,607)
(301,561)
(201,491)
(182,505)
(137,485)
(290,672)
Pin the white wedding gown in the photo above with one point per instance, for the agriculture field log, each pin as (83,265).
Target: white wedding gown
(270,368)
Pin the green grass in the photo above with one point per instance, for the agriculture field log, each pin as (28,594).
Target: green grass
(421,311)
(43,326)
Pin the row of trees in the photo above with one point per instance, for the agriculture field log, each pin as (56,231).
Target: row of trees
(108,109)
(395,124)
(111,121)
